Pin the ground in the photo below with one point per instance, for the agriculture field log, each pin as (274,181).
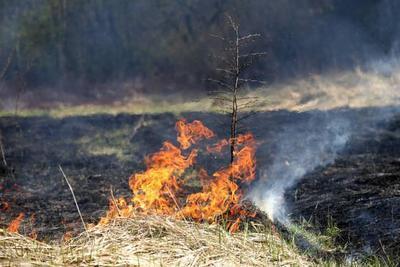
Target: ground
(357,189)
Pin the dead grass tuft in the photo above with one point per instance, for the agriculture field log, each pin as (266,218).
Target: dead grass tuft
(160,241)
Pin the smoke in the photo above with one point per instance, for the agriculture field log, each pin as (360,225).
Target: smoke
(302,147)
(148,38)
(297,152)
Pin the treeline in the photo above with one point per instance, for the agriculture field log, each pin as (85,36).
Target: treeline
(96,41)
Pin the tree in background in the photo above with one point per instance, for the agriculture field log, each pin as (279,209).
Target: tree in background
(105,41)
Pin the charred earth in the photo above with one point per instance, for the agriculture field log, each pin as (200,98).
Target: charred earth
(357,187)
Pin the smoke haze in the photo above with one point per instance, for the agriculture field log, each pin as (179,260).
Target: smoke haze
(300,148)
(322,55)
(167,45)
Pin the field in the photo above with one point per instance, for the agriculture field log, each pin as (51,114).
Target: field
(345,205)
(199,133)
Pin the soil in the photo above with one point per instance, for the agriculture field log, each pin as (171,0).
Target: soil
(359,189)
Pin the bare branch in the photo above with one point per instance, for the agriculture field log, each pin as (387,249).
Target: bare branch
(137,126)
(249,36)
(222,99)
(252,81)
(233,23)
(254,55)
(217,37)
(250,102)
(225,71)
(114,201)
(73,195)
(248,97)
(3,155)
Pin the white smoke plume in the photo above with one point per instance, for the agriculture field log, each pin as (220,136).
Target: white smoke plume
(299,151)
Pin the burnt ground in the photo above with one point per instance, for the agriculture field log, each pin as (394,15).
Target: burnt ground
(359,191)
(358,186)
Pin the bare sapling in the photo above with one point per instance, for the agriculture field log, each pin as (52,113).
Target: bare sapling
(231,80)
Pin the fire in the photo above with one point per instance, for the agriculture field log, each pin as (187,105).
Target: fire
(191,133)
(218,147)
(155,190)
(13,227)
(223,193)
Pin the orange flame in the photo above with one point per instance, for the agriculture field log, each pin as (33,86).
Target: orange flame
(218,147)
(117,208)
(191,133)
(13,227)
(155,189)
(223,193)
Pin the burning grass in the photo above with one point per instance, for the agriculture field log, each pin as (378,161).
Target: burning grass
(155,227)
(145,238)
(155,190)
(156,240)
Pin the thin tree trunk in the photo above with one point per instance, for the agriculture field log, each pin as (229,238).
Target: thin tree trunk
(234,115)
(234,65)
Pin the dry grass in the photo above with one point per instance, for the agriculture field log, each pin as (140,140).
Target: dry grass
(155,241)
(133,106)
(358,88)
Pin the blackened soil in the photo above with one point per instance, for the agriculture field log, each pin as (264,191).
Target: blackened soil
(359,189)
